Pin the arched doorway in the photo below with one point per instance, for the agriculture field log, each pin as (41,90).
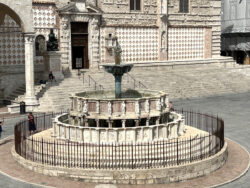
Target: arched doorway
(18,46)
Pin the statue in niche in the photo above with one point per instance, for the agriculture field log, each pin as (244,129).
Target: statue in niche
(40,45)
(137,108)
(117,52)
(85,107)
(123,108)
(109,108)
(79,105)
(162,102)
(97,107)
(147,106)
(163,40)
(52,43)
(158,104)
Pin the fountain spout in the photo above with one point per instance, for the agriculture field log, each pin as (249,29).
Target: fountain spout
(117,70)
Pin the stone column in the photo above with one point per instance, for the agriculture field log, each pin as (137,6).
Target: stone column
(137,122)
(86,124)
(72,103)
(30,98)
(147,122)
(79,121)
(97,123)
(110,122)
(123,123)
(157,121)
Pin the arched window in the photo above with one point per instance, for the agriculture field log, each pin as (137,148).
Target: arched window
(184,4)
(40,45)
(135,4)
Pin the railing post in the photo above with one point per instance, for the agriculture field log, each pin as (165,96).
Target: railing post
(32,148)
(68,155)
(42,152)
(54,153)
(148,154)
(177,151)
(190,147)
(132,156)
(201,148)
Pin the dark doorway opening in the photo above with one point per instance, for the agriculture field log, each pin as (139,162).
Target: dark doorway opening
(79,39)
(77,57)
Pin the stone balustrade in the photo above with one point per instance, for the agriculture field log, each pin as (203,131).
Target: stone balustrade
(156,132)
(150,103)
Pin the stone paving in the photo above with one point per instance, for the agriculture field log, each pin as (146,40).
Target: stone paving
(234,109)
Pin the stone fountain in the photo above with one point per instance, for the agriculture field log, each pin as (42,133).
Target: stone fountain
(117,70)
(131,137)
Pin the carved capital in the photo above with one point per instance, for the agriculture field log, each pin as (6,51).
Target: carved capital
(29,38)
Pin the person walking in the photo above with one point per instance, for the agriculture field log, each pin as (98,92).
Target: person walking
(32,126)
(1,126)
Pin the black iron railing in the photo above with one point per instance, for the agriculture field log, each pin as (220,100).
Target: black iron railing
(123,155)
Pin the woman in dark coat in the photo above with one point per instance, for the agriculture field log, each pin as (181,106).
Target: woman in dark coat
(32,126)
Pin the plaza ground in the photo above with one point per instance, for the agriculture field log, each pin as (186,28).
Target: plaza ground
(234,109)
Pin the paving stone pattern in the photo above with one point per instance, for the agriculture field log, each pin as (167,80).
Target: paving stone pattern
(234,109)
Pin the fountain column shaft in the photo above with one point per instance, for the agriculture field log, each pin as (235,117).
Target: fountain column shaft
(118,85)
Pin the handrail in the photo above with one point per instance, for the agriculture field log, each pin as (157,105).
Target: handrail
(140,84)
(91,80)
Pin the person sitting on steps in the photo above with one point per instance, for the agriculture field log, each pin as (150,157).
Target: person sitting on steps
(51,77)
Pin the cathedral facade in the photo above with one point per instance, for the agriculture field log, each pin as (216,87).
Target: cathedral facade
(148,31)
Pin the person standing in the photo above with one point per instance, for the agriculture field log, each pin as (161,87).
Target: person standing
(171,108)
(32,126)
(1,126)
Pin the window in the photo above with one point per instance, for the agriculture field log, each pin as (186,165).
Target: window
(184,6)
(135,4)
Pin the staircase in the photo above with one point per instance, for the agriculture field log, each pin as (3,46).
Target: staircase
(196,81)
(56,97)
(180,81)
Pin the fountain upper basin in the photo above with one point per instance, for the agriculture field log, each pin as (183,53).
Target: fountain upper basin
(118,69)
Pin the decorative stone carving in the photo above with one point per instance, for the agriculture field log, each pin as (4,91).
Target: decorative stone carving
(85,107)
(29,38)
